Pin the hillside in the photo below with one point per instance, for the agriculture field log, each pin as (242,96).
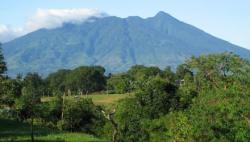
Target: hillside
(113,42)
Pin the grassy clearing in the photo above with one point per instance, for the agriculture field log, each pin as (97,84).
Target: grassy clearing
(12,131)
(98,98)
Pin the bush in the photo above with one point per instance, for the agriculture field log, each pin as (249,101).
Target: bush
(81,115)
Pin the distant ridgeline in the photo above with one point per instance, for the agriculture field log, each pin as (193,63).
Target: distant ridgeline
(114,43)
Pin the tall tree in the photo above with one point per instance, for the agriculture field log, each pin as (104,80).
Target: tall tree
(3,67)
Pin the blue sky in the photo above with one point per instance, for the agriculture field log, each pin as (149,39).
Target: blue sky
(227,19)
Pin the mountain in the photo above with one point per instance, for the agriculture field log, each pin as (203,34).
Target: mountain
(113,42)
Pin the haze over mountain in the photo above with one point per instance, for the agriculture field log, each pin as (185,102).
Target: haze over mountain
(113,42)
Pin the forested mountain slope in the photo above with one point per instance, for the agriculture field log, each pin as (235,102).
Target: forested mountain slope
(113,42)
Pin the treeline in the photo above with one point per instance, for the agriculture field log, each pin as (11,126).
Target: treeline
(88,79)
(207,98)
(82,80)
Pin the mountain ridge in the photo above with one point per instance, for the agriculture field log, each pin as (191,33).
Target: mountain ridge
(115,43)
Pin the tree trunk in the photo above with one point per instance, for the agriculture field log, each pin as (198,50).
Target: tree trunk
(32,130)
(109,116)
(115,130)
(62,106)
(87,93)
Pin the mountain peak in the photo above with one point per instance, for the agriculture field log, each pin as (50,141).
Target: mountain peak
(113,42)
(162,14)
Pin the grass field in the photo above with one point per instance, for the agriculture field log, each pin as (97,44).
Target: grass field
(98,98)
(12,131)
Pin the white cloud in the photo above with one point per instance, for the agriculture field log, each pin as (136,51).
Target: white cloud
(7,33)
(48,18)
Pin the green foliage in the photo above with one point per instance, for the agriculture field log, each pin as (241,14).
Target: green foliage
(140,72)
(214,102)
(3,69)
(218,70)
(157,97)
(134,79)
(210,103)
(129,118)
(169,75)
(81,115)
(13,131)
(3,66)
(227,114)
(10,90)
(119,83)
(207,99)
(86,79)
(51,111)
(80,80)
(28,105)
(175,126)
(182,71)
(56,81)
(214,116)
(34,81)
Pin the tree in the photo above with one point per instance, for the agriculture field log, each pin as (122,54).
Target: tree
(139,74)
(36,82)
(129,118)
(28,105)
(3,66)
(56,81)
(157,97)
(119,83)
(11,89)
(51,111)
(169,75)
(218,70)
(81,115)
(86,79)
(183,70)
(3,69)
(110,116)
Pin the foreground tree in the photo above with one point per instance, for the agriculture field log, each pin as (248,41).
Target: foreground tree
(81,115)
(29,104)
(157,97)
(218,70)
(11,89)
(109,115)
(3,67)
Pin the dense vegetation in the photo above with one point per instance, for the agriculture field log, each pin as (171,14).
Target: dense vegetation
(206,99)
(13,131)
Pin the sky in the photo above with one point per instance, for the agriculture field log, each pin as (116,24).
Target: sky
(226,19)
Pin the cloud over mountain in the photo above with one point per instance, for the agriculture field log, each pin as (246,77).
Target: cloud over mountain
(114,43)
(48,18)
